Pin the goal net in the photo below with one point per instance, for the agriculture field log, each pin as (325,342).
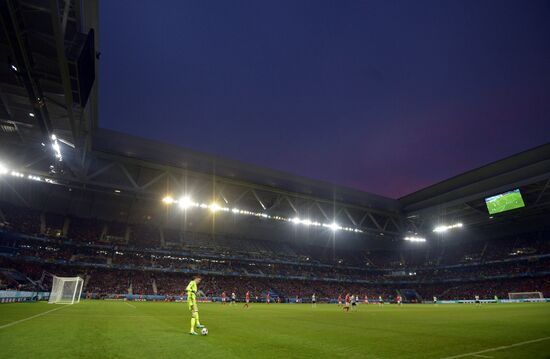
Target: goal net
(66,290)
(526,295)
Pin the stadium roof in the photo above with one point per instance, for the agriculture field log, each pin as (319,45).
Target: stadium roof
(122,144)
(48,65)
(520,169)
(47,69)
(462,198)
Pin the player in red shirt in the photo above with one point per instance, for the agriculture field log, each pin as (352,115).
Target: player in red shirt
(247,300)
(348,300)
(366,299)
(340,300)
(399,300)
(268,298)
(223,298)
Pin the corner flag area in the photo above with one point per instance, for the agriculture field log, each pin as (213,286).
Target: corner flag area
(96,329)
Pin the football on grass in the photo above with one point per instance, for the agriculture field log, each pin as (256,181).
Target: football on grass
(204,331)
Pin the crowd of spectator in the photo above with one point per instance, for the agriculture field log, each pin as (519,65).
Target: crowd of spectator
(110,281)
(121,258)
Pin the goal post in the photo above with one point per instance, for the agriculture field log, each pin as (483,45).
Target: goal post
(66,290)
(526,295)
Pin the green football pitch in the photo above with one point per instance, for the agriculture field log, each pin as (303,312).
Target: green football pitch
(104,329)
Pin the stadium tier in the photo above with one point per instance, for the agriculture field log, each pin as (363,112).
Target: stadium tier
(35,243)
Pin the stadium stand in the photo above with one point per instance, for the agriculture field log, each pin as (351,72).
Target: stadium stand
(142,266)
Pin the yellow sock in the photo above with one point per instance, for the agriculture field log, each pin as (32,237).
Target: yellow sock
(197,318)
(192,324)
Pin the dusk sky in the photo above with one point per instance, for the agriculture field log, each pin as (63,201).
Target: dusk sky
(383,96)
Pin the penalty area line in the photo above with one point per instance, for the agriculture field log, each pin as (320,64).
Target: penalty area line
(131,305)
(29,318)
(497,348)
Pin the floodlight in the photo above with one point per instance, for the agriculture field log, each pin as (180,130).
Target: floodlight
(3,169)
(14,67)
(185,202)
(334,226)
(56,148)
(445,228)
(168,200)
(415,239)
(440,229)
(31,114)
(214,207)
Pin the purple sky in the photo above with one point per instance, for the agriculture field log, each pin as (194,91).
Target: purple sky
(383,96)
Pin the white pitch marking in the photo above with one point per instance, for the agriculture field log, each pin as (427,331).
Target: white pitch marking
(497,348)
(34,316)
(131,305)
(482,356)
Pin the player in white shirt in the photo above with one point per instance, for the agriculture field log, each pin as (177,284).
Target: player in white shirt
(380,301)
(313,301)
(435,299)
(477,301)
(353,302)
(233,298)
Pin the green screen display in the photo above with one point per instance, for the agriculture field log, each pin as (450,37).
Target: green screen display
(504,201)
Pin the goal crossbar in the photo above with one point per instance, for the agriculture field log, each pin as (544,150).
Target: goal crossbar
(525,295)
(66,290)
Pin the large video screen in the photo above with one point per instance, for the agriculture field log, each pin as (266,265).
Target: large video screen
(504,202)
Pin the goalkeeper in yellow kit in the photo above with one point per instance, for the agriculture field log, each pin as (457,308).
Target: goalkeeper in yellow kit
(192,304)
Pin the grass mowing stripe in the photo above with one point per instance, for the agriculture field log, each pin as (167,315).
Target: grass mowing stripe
(29,318)
(498,348)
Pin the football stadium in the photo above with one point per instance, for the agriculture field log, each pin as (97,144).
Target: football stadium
(118,246)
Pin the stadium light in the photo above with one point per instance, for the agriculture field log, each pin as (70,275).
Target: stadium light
(34,178)
(14,67)
(3,169)
(31,114)
(185,202)
(168,200)
(214,207)
(445,228)
(415,239)
(56,148)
